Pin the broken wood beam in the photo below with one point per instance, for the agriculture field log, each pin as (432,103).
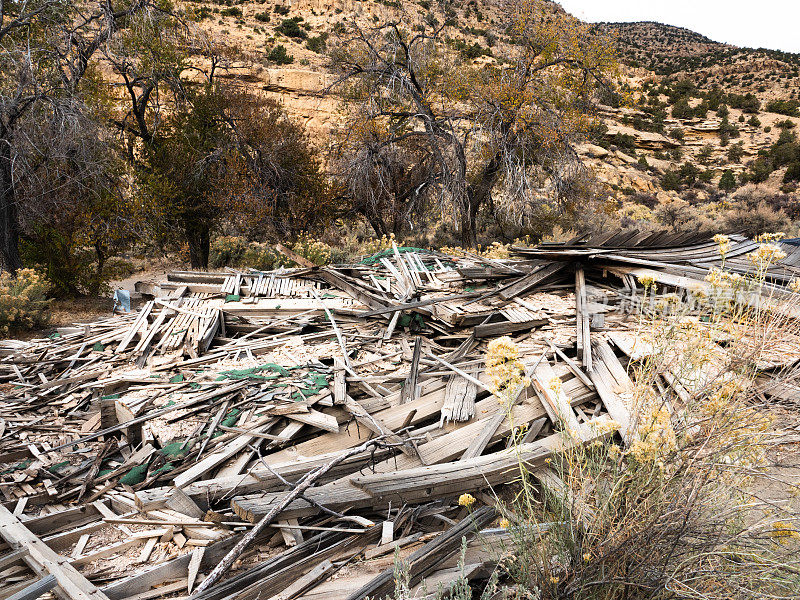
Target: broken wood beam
(424,560)
(42,559)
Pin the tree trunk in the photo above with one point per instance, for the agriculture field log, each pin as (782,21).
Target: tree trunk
(199,237)
(469,226)
(477,194)
(100,255)
(9,226)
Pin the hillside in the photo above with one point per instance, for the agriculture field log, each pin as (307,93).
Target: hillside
(641,158)
(666,50)
(663,49)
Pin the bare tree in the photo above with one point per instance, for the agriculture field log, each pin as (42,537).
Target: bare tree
(389,181)
(511,123)
(45,50)
(73,211)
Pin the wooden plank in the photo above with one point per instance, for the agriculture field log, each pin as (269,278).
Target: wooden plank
(170,570)
(506,327)
(339,382)
(306,582)
(572,365)
(415,485)
(424,560)
(582,320)
(217,457)
(555,401)
(612,384)
(316,419)
(293,256)
(349,286)
(36,589)
(377,426)
(528,282)
(41,558)
(459,399)
(410,390)
(194,567)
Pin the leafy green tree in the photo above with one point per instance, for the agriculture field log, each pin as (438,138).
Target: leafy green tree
(760,170)
(224,154)
(671,181)
(792,173)
(689,173)
(682,110)
(727,130)
(790,108)
(705,154)
(291,28)
(736,152)
(280,56)
(727,181)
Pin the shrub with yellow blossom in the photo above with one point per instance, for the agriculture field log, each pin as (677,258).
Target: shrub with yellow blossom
(503,367)
(466,500)
(656,436)
(723,243)
(673,505)
(647,281)
(766,255)
(724,279)
(375,245)
(310,248)
(23,299)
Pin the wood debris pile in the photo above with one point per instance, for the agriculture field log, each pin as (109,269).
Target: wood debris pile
(316,416)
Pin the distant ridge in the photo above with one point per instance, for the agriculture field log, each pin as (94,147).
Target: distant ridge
(668,49)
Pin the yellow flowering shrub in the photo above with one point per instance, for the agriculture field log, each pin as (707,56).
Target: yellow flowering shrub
(672,501)
(765,256)
(646,281)
(724,279)
(313,249)
(466,500)
(234,251)
(770,237)
(724,243)
(503,366)
(375,245)
(496,250)
(656,436)
(23,299)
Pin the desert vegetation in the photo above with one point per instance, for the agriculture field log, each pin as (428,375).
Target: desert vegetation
(156,130)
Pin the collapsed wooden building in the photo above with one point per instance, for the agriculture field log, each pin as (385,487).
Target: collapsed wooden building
(315,416)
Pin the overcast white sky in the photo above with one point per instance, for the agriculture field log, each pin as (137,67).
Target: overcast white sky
(754,23)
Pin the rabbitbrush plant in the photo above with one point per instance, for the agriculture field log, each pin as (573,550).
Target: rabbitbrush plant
(23,299)
(678,512)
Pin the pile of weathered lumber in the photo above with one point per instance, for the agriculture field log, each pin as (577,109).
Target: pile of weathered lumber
(280,425)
